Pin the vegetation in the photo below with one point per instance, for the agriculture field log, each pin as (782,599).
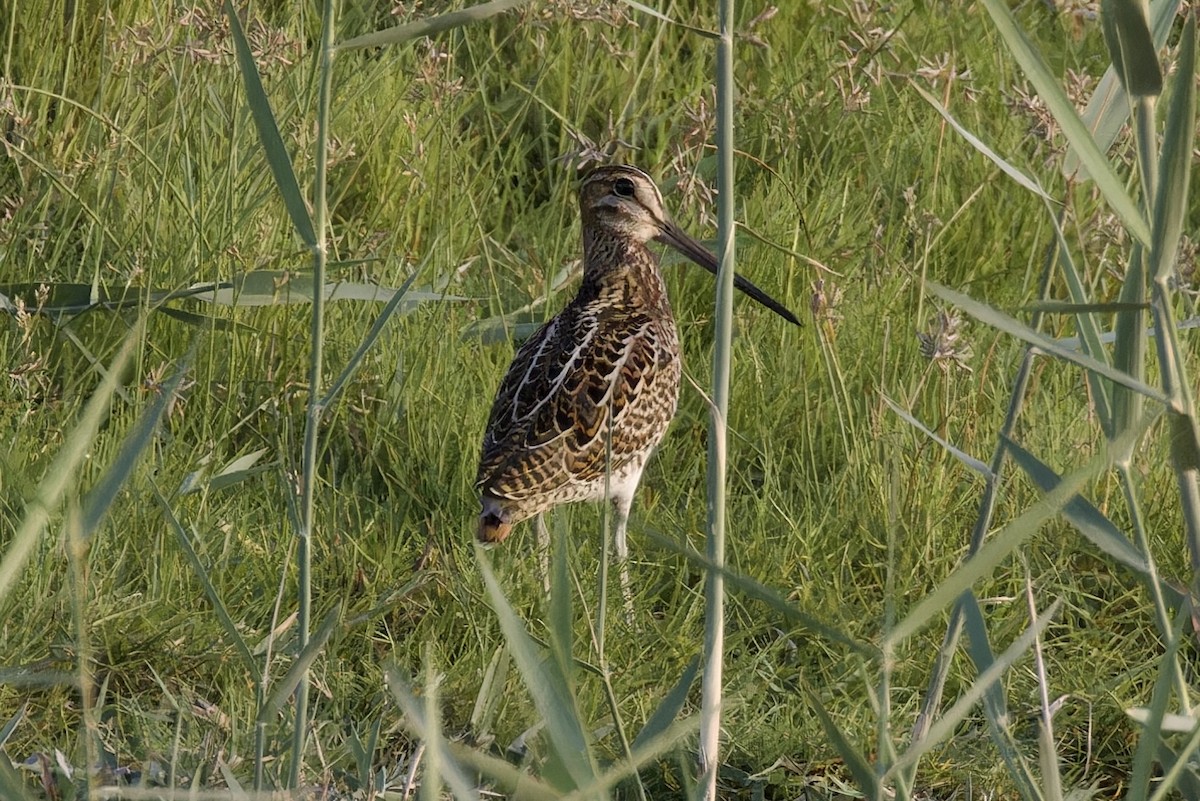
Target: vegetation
(157,276)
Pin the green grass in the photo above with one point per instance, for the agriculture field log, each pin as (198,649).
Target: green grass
(133,161)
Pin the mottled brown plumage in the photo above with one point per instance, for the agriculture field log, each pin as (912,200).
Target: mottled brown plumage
(590,395)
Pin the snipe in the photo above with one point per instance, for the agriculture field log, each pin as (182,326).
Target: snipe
(589,396)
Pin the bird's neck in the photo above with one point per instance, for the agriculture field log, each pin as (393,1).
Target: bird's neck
(621,272)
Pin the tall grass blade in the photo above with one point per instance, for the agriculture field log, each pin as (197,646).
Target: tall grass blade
(431,781)
(61,473)
(431,25)
(967,459)
(1035,68)
(658,15)
(1088,325)
(385,316)
(283,287)
(268,132)
(1090,521)
(549,689)
(1005,166)
(1015,328)
(561,640)
(1175,163)
(1171,206)
(102,495)
(1071,307)
(210,591)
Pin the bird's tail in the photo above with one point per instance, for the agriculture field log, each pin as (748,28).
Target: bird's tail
(495,522)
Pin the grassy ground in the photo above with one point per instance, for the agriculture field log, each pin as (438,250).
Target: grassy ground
(132,160)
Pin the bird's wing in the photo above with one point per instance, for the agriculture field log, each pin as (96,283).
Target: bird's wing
(550,421)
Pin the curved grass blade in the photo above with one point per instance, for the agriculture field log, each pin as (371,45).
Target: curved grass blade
(658,15)
(769,596)
(1070,307)
(1147,747)
(431,25)
(204,321)
(1048,88)
(1007,168)
(1175,162)
(385,315)
(291,680)
(11,726)
(282,287)
(669,708)
(102,495)
(441,759)
(268,133)
(967,459)
(1089,327)
(856,763)
(223,617)
(239,470)
(1090,521)
(995,706)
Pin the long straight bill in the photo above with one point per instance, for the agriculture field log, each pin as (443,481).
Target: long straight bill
(675,237)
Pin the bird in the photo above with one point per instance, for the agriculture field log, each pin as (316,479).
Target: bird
(590,395)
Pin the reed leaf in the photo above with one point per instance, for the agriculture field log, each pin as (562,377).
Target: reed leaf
(1035,68)
(268,132)
(995,705)
(418,722)
(1108,110)
(228,626)
(1131,46)
(771,597)
(860,769)
(102,495)
(1013,327)
(431,25)
(299,667)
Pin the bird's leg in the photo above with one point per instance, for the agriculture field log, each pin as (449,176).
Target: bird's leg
(543,546)
(621,504)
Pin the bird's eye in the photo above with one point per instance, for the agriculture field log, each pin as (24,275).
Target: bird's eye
(623,187)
